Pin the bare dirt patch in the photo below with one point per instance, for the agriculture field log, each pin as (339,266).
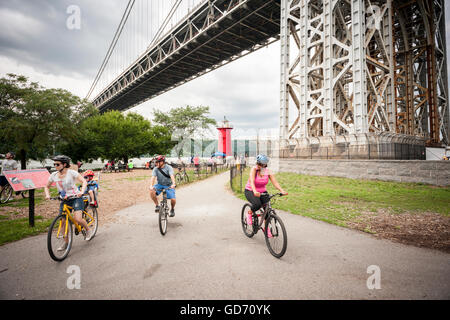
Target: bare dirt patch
(428,230)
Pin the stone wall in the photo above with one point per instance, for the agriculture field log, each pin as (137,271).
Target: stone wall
(429,172)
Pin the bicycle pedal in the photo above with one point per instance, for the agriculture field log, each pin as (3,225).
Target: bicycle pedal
(76,231)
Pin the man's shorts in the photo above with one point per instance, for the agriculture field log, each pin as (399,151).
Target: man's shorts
(169,192)
(77,204)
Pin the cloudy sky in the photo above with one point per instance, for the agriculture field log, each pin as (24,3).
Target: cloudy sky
(35,41)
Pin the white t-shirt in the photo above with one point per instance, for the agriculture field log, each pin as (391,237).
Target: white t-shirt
(66,186)
(8,165)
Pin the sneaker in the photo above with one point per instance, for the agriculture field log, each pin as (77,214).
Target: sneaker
(249,218)
(63,247)
(172,213)
(88,235)
(157,209)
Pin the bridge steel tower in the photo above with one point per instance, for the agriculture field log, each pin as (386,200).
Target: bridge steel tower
(363,72)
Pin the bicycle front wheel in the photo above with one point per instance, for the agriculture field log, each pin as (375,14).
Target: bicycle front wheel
(247,228)
(186,177)
(276,239)
(6,194)
(59,244)
(91,218)
(25,194)
(163,219)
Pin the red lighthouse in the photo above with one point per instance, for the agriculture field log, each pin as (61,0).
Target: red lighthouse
(224,142)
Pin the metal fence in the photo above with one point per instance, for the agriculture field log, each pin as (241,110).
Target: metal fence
(204,168)
(236,177)
(387,151)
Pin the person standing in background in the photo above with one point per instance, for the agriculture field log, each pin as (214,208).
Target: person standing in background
(7,165)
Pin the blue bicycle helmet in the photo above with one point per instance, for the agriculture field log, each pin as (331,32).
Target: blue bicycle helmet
(262,159)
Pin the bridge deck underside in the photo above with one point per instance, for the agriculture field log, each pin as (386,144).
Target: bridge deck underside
(246,26)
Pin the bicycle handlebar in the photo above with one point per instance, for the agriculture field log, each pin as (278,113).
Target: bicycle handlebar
(62,199)
(275,195)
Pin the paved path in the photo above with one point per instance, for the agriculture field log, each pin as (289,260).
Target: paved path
(205,255)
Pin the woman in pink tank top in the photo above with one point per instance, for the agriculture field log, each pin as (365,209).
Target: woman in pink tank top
(255,189)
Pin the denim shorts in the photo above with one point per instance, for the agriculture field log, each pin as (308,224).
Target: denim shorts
(169,192)
(77,204)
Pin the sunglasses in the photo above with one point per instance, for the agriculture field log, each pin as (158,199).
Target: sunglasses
(262,165)
(57,164)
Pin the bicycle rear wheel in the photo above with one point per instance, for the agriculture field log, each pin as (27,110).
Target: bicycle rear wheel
(6,193)
(248,229)
(91,218)
(178,178)
(277,243)
(25,194)
(186,177)
(56,240)
(163,218)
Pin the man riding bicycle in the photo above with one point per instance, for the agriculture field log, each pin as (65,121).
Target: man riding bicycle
(65,180)
(164,176)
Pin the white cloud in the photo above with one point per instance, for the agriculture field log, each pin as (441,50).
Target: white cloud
(76,84)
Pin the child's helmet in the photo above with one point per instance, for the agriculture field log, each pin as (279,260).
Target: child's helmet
(88,173)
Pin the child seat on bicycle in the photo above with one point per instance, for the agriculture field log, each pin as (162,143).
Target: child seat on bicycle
(92,188)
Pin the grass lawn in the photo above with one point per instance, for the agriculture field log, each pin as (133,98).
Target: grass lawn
(13,228)
(16,229)
(341,200)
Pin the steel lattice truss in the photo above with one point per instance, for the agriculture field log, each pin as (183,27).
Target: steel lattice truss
(357,66)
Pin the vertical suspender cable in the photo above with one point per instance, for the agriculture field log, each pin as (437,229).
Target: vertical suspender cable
(112,45)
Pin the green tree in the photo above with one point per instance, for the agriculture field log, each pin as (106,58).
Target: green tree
(184,122)
(113,135)
(34,119)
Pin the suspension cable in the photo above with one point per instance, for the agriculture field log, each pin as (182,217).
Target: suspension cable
(165,22)
(112,45)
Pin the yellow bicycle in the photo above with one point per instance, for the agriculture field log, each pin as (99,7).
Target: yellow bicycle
(60,234)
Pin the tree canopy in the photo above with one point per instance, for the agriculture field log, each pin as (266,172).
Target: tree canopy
(113,136)
(184,122)
(34,119)
(37,123)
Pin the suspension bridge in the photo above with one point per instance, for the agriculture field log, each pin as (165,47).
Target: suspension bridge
(353,72)
(210,35)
